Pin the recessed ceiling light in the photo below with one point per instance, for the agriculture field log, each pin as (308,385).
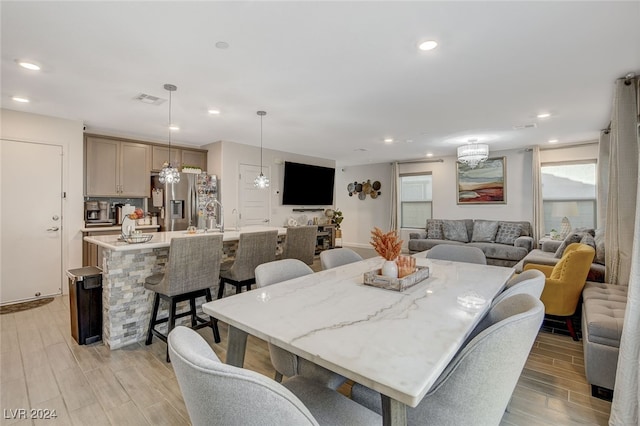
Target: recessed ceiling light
(544,115)
(429,154)
(553,140)
(214,111)
(388,140)
(222,45)
(20,99)
(174,127)
(28,65)
(428,45)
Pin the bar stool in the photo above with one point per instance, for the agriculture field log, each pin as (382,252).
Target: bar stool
(301,243)
(254,248)
(192,269)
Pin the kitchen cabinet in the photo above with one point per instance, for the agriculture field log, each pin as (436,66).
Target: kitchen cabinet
(116,168)
(194,158)
(179,157)
(160,155)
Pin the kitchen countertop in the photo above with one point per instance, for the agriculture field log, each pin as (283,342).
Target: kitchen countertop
(100,228)
(163,239)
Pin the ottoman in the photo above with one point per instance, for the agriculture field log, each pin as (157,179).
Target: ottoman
(602,317)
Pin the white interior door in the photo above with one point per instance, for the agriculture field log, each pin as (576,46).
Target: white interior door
(31,220)
(253,202)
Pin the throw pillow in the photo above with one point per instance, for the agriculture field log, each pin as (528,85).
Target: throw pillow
(599,239)
(588,240)
(455,230)
(508,232)
(485,231)
(570,239)
(584,230)
(434,229)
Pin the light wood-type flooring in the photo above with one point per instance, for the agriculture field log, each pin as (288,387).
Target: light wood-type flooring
(42,367)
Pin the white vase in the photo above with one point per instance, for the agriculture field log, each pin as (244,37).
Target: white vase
(390,269)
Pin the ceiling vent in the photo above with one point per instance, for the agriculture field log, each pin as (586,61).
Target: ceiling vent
(148,99)
(525,126)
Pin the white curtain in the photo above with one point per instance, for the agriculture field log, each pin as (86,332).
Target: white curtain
(603,177)
(394,196)
(626,398)
(538,209)
(623,177)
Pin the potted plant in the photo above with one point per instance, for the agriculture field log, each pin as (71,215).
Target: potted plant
(387,245)
(335,216)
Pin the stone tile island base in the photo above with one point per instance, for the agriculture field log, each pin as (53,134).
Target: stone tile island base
(127,304)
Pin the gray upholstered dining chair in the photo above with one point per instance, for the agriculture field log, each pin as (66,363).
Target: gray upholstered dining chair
(283,361)
(338,257)
(300,243)
(529,282)
(221,394)
(192,268)
(457,253)
(477,384)
(254,248)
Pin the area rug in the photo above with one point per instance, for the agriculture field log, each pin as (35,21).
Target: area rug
(23,306)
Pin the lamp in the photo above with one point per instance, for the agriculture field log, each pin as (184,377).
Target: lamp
(473,153)
(169,174)
(261,181)
(565,209)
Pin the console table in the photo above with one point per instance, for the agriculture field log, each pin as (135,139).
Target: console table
(326,237)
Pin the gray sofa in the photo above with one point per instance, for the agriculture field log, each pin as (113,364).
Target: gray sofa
(546,256)
(602,318)
(504,248)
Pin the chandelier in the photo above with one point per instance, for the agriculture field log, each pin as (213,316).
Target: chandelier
(261,181)
(473,153)
(169,174)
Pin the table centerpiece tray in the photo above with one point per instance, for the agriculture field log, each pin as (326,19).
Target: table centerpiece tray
(374,279)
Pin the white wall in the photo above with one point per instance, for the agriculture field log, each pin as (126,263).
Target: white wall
(20,126)
(361,216)
(224,160)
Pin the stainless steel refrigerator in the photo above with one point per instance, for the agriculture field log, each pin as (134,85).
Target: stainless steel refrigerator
(183,204)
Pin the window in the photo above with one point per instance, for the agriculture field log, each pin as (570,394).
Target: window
(569,190)
(415,200)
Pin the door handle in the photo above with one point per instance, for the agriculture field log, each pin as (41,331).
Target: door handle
(266,221)
(53,228)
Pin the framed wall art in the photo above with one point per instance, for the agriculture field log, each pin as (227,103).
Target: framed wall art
(484,184)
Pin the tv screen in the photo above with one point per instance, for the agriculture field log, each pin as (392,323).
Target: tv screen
(307,185)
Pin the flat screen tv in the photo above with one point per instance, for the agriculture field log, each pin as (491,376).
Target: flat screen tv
(307,185)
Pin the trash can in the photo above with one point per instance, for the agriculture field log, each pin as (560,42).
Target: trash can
(85,301)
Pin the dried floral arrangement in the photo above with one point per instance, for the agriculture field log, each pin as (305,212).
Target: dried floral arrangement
(387,245)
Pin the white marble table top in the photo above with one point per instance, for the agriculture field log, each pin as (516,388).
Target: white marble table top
(396,343)
(163,239)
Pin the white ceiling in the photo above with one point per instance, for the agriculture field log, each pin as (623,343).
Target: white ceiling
(335,78)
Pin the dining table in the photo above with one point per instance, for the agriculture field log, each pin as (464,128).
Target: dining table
(395,342)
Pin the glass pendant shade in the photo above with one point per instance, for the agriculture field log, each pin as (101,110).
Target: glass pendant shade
(473,154)
(261,181)
(169,174)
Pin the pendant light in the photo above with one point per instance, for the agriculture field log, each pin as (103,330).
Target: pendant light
(169,174)
(261,181)
(473,153)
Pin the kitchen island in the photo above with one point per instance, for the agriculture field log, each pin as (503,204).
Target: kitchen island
(126,303)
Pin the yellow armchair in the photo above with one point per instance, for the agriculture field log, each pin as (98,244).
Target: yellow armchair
(565,281)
